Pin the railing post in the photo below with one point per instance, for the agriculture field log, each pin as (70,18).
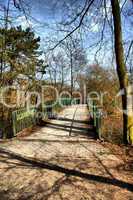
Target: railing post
(14,123)
(97,121)
(96,118)
(98,124)
(94,114)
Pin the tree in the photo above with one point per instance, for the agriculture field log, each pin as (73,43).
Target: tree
(121,70)
(104,82)
(20,63)
(77,59)
(20,55)
(58,69)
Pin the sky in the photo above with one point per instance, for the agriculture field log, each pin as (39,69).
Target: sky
(44,14)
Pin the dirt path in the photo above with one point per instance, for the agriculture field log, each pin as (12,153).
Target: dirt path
(51,165)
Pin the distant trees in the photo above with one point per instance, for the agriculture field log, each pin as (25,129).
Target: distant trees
(102,83)
(66,62)
(77,58)
(57,70)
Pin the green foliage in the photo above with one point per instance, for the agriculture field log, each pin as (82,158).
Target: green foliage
(20,53)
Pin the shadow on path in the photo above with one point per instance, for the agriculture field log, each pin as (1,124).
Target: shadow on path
(55,140)
(68,172)
(77,130)
(70,120)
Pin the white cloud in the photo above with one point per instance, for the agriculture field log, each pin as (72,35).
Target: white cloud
(24,22)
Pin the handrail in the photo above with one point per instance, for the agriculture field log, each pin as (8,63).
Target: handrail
(22,119)
(97,118)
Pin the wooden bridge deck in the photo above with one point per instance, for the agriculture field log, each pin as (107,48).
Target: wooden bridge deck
(53,164)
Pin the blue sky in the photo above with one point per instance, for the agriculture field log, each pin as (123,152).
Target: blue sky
(50,11)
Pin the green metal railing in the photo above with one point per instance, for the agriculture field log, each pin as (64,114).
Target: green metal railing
(50,106)
(65,101)
(95,112)
(22,119)
(69,101)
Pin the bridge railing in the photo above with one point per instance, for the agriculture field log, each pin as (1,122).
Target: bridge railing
(96,115)
(49,108)
(22,119)
(69,101)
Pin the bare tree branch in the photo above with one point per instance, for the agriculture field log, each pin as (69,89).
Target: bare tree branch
(77,15)
(77,27)
(129,49)
(123,5)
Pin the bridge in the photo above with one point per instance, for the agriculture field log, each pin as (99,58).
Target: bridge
(62,160)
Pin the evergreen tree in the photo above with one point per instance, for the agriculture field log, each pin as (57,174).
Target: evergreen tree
(19,54)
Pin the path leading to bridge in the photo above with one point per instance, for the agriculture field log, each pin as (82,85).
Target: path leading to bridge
(62,161)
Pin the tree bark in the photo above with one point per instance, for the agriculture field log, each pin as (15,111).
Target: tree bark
(121,71)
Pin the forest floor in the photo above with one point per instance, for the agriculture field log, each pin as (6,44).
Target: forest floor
(60,163)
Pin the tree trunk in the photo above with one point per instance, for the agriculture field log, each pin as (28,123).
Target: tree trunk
(71,66)
(121,70)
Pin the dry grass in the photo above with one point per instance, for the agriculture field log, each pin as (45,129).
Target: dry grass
(112,128)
